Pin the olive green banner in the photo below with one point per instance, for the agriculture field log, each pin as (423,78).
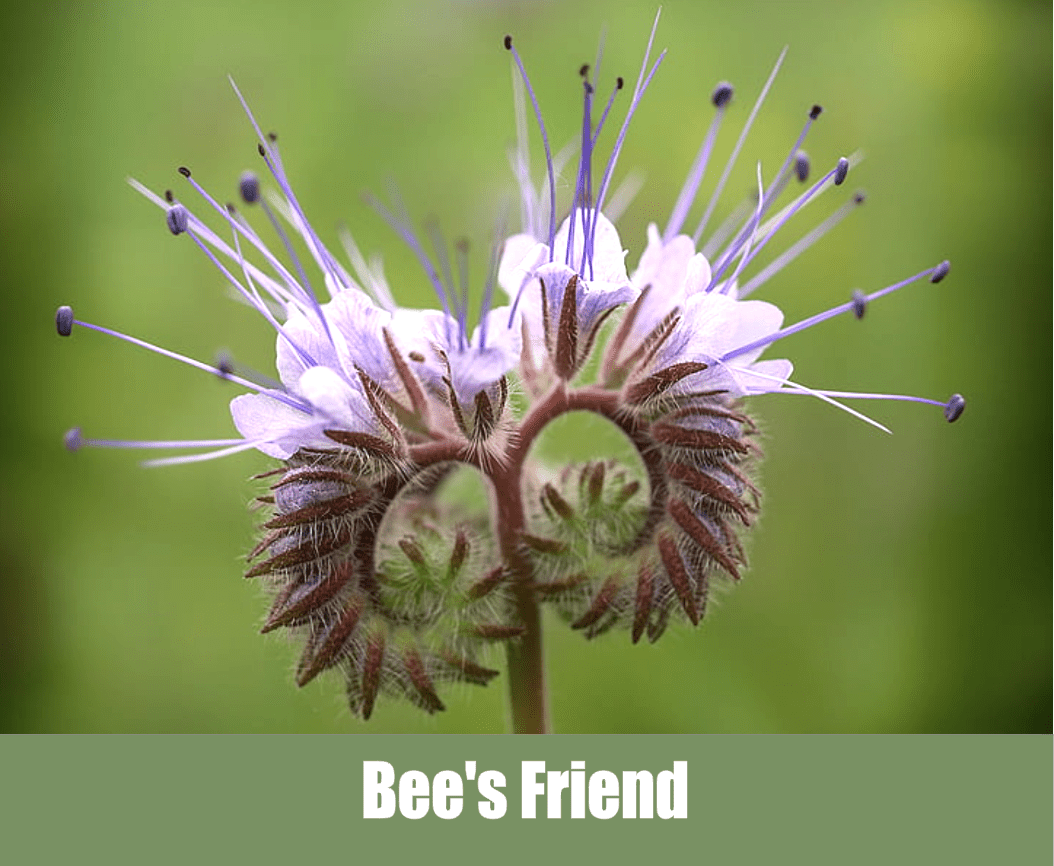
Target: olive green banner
(814,800)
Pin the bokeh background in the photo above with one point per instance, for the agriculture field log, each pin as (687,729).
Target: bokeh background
(898,583)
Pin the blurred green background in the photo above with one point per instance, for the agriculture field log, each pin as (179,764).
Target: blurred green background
(898,583)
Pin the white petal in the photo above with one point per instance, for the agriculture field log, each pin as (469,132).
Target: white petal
(520,255)
(664,267)
(277,429)
(359,321)
(699,275)
(340,404)
(306,332)
(609,259)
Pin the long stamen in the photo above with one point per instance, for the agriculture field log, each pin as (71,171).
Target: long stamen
(75,441)
(762,201)
(200,458)
(269,152)
(369,274)
(461,253)
(545,142)
(935,274)
(410,239)
(733,221)
(301,289)
(790,254)
(643,80)
(953,407)
(735,151)
(283,295)
(492,277)
(791,159)
(583,183)
(789,387)
(720,98)
(619,84)
(64,322)
(837,175)
(261,307)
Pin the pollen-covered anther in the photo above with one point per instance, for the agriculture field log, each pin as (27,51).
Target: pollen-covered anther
(801,166)
(722,94)
(840,171)
(859,303)
(64,321)
(224,365)
(249,187)
(177,218)
(73,439)
(954,407)
(941,271)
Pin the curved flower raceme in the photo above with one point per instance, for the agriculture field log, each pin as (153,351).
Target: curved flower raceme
(403,587)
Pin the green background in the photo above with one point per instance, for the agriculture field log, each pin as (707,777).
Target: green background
(898,583)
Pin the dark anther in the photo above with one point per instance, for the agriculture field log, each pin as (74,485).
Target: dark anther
(249,187)
(261,150)
(508,43)
(859,197)
(64,321)
(939,273)
(178,219)
(954,407)
(224,365)
(801,166)
(183,170)
(721,95)
(815,112)
(841,170)
(169,197)
(73,439)
(272,137)
(859,303)
(619,83)
(416,356)
(583,70)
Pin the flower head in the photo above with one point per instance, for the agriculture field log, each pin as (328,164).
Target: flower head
(402,588)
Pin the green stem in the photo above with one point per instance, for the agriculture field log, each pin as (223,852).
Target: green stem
(528,701)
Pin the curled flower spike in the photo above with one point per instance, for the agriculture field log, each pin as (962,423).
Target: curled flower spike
(401,587)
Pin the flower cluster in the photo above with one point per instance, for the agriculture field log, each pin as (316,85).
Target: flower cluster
(402,588)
